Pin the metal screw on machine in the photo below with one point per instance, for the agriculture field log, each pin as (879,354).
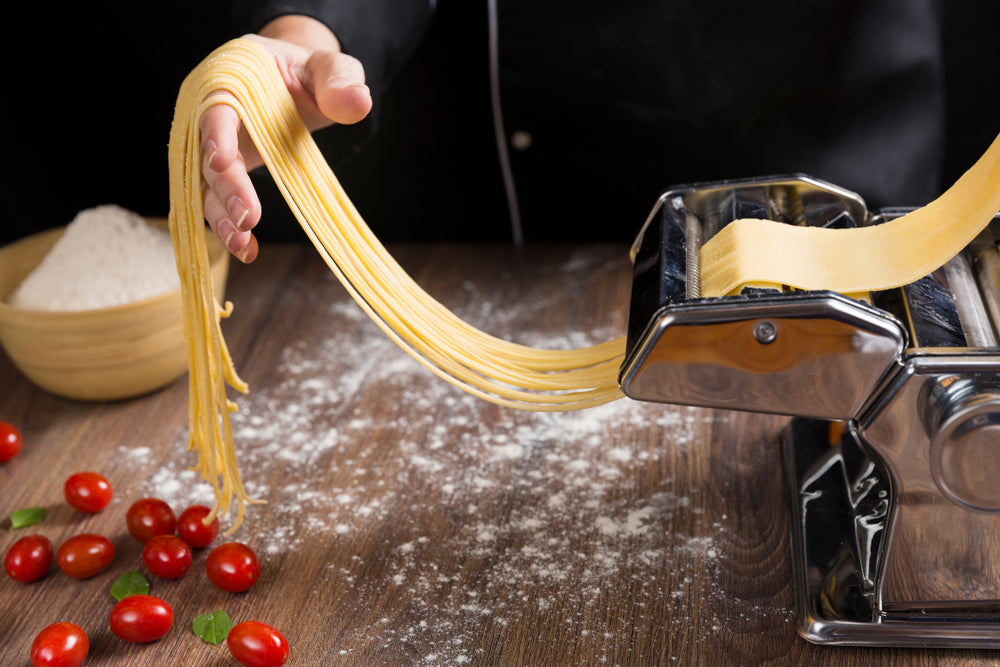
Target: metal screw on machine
(892,458)
(765,332)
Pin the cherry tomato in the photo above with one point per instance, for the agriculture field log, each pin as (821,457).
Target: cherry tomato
(257,644)
(10,441)
(87,491)
(141,619)
(28,558)
(167,556)
(192,529)
(150,517)
(83,556)
(60,645)
(232,566)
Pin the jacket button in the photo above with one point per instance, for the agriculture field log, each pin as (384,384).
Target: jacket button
(520,140)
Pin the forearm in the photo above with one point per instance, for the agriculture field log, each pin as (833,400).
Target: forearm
(302,30)
(381,34)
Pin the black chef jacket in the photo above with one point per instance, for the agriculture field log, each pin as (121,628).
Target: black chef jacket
(604,105)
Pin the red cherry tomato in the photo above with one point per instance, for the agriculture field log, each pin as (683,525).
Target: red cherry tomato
(257,644)
(150,517)
(10,441)
(60,645)
(232,566)
(192,529)
(141,619)
(87,491)
(167,556)
(83,556)
(28,558)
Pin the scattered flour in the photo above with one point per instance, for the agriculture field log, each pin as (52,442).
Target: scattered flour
(106,257)
(568,528)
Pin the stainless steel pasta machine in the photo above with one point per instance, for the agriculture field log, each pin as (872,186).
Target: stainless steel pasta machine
(891,457)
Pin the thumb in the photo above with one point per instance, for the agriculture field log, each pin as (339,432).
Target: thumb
(339,86)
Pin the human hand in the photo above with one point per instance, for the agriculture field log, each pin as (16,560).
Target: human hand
(327,85)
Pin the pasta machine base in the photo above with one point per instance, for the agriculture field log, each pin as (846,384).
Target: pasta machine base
(843,506)
(891,457)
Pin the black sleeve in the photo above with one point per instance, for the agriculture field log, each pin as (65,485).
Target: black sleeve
(382,34)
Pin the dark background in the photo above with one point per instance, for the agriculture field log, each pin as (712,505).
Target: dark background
(89,100)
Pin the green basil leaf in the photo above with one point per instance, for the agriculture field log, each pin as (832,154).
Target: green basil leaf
(130,583)
(212,627)
(28,516)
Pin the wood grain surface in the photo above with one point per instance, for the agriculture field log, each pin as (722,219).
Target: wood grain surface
(410,524)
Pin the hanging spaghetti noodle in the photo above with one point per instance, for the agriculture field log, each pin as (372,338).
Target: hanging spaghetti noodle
(496,370)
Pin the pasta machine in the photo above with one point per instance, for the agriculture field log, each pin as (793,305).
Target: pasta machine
(894,399)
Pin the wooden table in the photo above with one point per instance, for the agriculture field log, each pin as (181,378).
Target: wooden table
(410,524)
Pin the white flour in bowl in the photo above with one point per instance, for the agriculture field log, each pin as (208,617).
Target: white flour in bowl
(108,256)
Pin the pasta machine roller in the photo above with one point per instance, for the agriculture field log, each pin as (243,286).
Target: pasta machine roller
(891,453)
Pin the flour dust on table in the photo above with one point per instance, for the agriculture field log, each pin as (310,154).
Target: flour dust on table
(582,504)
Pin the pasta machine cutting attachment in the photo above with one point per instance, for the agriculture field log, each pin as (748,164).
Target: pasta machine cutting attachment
(891,455)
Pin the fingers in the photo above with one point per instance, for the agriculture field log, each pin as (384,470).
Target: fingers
(327,85)
(231,205)
(240,243)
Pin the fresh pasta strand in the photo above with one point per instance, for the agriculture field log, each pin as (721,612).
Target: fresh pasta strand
(500,371)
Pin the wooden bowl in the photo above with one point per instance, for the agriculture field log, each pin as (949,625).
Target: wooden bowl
(102,354)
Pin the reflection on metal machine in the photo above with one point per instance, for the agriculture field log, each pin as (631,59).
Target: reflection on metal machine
(893,477)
